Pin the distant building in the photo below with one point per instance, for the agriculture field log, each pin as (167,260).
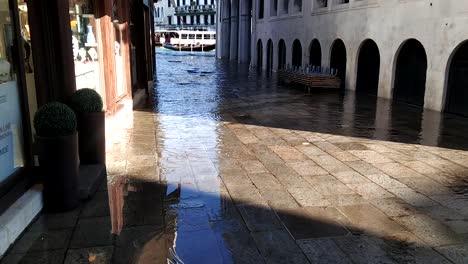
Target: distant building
(185,14)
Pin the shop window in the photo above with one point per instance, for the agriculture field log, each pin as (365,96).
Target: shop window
(11,122)
(85,46)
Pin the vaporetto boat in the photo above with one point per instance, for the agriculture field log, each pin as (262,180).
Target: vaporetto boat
(187,40)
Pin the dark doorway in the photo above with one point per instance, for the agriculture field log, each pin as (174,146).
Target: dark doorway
(457,86)
(410,73)
(315,57)
(259,54)
(368,68)
(269,65)
(281,54)
(297,53)
(338,60)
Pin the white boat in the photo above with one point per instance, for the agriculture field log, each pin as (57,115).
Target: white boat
(186,40)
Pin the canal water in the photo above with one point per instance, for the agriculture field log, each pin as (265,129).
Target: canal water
(198,84)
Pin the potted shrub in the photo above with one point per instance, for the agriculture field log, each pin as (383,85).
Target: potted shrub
(88,105)
(57,142)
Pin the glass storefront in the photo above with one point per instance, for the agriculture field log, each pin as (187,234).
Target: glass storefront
(11,123)
(85,47)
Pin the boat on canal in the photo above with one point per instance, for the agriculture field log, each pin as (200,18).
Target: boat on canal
(187,40)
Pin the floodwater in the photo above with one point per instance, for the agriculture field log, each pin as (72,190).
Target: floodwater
(199,184)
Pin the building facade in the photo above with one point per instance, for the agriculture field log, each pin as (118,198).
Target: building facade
(48,50)
(185,14)
(412,51)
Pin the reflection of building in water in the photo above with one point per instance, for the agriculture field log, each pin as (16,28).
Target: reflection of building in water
(139,205)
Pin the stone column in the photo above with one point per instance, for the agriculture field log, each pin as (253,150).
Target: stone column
(244,31)
(234,29)
(225,29)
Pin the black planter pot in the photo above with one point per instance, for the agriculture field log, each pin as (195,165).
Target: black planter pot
(92,138)
(59,166)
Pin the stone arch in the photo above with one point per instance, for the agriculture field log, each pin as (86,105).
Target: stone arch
(297,53)
(315,53)
(259,53)
(368,68)
(457,81)
(270,53)
(338,60)
(281,54)
(410,73)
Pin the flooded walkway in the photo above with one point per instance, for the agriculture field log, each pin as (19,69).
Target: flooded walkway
(225,166)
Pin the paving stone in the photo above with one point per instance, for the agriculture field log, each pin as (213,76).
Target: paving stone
(351,146)
(328,185)
(345,156)
(420,167)
(426,186)
(386,181)
(456,253)
(259,218)
(265,181)
(364,249)
(97,206)
(429,230)
(45,257)
(311,150)
(279,199)
(345,199)
(412,197)
(308,197)
(92,232)
(370,156)
(58,221)
(397,170)
(328,147)
(370,190)
(287,176)
(313,222)
(323,251)
(99,255)
(394,207)
(305,168)
(42,241)
(363,167)
(246,194)
(368,219)
(288,154)
(253,166)
(450,217)
(350,177)
(278,247)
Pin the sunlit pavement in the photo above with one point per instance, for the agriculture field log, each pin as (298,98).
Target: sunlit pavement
(224,166)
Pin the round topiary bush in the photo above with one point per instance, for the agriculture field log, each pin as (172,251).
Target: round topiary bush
(86,101)
(55,119)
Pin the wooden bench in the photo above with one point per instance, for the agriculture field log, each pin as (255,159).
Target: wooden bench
(310,80)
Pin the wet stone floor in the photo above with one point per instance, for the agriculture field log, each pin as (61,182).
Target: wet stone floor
(223,165)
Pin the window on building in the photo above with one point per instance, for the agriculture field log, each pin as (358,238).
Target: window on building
(169,20)
(183,2)
(212,2)
(178,2)
(212,20)
(285,6)
(297,5)
(192,20)
(184,36)
(198,19)
(199,36)
(191,36)
(184,20)
(168,3)
(207,20)
(261,4)
(322,3)
(206,36)
(274,8)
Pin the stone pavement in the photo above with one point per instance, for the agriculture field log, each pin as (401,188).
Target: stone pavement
(192,189)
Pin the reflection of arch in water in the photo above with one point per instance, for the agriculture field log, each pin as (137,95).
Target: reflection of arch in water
(281,54)
(297,53)
(338,60)
(410,73)
(457,81)
(368,68)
